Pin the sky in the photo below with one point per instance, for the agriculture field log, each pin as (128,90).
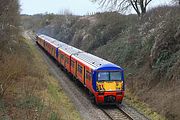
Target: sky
(77,7)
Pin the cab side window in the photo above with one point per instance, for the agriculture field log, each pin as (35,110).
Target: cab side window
(72,64)
(88,75)
(79,68)
(66,60)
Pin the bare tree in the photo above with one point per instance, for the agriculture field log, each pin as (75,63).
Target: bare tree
(9,22)
(9,17)
(176,2)
(139,6)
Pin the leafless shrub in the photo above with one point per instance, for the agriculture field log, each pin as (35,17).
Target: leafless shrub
(9,22)
(12,69)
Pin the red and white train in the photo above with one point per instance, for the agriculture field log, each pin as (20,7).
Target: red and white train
(103,79)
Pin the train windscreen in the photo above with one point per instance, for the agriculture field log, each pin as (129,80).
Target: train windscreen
(109,76)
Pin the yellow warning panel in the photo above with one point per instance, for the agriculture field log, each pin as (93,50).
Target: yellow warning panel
(109,85)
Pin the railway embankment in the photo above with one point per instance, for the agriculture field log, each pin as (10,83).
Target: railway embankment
(32,91)
(148,49)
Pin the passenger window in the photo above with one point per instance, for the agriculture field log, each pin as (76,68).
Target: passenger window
(66,60)
(88,75)
(62,56)
(72,63)
(79,69)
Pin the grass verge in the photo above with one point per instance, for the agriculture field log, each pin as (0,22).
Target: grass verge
(142,107)
(36,93)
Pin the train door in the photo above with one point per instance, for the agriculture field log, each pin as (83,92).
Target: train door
(88,78)
(66,62)
(80,72)
(84,75)
(62,59)
(43,43)
(76,69)
(56,53)
(59,56)
(72,66)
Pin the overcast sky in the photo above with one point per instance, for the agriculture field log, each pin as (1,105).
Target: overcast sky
(78,7)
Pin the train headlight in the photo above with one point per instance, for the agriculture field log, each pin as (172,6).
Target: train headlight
(100,87)
(119,85)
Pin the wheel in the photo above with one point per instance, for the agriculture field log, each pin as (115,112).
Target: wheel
(92,98)
(119,103)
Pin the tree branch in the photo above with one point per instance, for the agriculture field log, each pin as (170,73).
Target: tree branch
(148,2)
(121,5)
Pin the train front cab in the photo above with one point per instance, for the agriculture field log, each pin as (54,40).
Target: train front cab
(40,41)
(108,83)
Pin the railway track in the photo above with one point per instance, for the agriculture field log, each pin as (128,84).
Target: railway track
(116,114)
(122,112)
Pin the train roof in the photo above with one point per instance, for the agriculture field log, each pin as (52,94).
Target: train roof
(52,41)
(96,62)
(63,46)
(92,60)
(70,49)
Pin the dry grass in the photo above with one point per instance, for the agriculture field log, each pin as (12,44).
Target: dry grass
(32,92)
(144,108)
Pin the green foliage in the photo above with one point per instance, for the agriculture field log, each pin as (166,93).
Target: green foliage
(53,91)
(5,117)
(81,24)
(108,27)
(46,19)
(164,55)
(30,102)
(2,106)
(53,116)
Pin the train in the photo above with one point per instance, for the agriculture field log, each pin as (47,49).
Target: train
(103,79)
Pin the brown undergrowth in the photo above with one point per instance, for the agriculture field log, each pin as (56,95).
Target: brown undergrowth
(28,90)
